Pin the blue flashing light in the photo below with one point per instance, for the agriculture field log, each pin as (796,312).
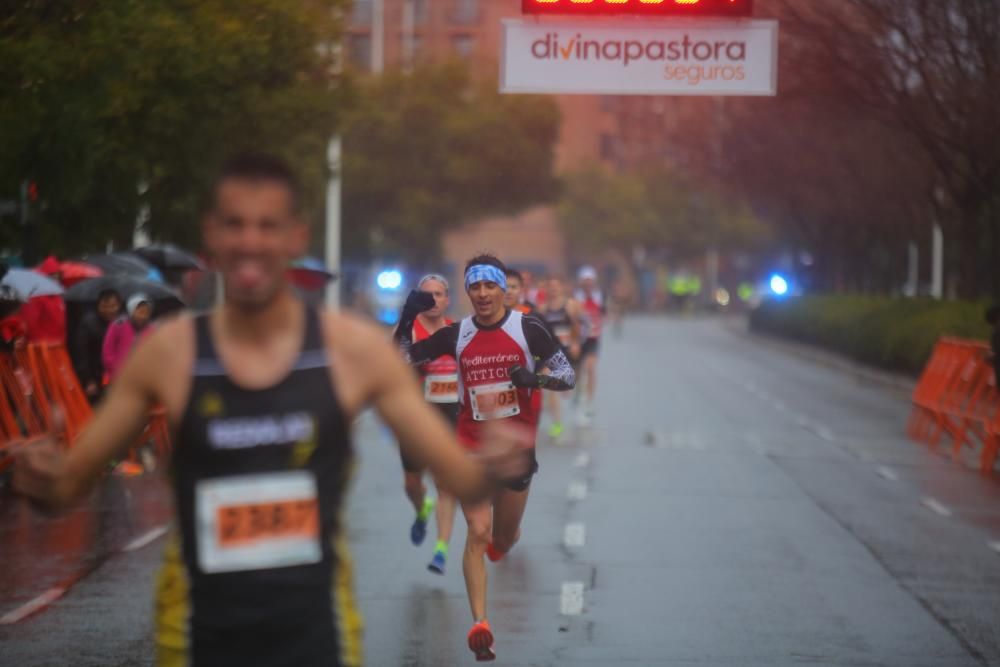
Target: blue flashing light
(390,279)
(778,285)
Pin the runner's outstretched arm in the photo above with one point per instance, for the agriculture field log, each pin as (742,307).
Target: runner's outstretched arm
(442,342)
(55,476)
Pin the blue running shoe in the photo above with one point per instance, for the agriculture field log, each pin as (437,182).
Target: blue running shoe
(418,531)
(437,563)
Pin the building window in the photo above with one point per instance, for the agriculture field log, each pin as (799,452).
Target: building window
(466,12)
(361,13)
(463,45)
(609,147)
(359,51)
(420,12)
(417,44)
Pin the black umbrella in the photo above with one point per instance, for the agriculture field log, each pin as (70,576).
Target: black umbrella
(123,264)
(164,298)
(168,257)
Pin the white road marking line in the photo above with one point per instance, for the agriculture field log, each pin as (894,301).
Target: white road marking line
(888,473)
(30,607)
(582,460)
(577,491)
(935,506)
(146,538)
(995,546)
(571,600)
(825,433)
(574,535)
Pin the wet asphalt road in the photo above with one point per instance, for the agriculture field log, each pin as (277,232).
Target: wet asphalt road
(732,505)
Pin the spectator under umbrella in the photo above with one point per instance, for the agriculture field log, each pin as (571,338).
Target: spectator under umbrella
(88,340)
(125,333)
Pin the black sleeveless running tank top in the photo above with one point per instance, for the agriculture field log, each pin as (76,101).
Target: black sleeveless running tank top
(559,321)
(259,478)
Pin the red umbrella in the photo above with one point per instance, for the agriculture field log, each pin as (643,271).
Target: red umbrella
(73,272)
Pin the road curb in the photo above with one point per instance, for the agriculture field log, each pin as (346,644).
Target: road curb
(901,383)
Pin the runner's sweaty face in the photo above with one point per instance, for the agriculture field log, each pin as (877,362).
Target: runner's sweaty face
(487,301)
(253,234)
(441,299)
(555,289)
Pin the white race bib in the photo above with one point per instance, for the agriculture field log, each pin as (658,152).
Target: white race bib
(494,401)
(441,388)
(254,522)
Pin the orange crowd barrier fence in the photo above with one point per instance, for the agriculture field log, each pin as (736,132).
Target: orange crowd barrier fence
(957,400)
(37,379)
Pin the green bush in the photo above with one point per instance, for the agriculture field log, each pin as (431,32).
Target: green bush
(896,334)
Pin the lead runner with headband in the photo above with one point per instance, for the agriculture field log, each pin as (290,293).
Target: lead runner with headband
(496,349)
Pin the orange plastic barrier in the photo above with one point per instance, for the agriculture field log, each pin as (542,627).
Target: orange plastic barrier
(36,379)
(957,397)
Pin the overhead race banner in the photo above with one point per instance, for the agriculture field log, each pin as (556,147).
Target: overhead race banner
(622,57)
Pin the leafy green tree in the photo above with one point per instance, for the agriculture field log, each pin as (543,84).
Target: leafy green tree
(426,151)
(654,207)
(115,106)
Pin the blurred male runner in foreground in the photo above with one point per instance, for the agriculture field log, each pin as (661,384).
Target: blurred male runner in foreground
(260,394)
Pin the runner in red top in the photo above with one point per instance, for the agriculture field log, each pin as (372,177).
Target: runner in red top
(515,299)
(440,385)
(592,300)
(496,350)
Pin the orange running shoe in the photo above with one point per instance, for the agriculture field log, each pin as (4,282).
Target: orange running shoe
(493,553)
(481,641)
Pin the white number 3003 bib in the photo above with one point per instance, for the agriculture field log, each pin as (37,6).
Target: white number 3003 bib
(494,401)
(254,522)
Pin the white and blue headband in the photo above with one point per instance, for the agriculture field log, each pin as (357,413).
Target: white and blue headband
(485,272)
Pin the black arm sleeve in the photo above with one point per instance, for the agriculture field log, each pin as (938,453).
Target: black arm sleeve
(544,347)
(442,342)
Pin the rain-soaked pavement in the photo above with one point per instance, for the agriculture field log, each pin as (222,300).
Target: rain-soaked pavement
(732,505)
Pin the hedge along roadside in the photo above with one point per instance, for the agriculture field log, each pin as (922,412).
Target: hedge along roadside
(896,334)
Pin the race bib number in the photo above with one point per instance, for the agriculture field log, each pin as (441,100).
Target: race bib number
(256,522)
(494,401)
(441,388)
(564,334)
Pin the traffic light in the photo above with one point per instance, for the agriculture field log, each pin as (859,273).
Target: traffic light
(639,7)
(32,191)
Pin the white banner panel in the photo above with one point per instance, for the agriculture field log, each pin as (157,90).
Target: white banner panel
(640,57)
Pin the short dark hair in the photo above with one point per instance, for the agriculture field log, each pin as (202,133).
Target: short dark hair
(260,167)
(108,293)
(514,273)
(486,258)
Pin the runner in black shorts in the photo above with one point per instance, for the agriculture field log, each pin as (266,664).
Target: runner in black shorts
(440,385)
(564,317)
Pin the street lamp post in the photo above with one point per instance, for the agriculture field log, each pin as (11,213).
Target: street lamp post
(333,155)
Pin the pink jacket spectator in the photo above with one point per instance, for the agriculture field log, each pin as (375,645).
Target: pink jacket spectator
(118,343)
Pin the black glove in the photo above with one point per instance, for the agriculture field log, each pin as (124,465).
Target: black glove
(416,303)
(522,377)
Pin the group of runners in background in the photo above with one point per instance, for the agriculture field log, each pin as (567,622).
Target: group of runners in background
(493,365)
